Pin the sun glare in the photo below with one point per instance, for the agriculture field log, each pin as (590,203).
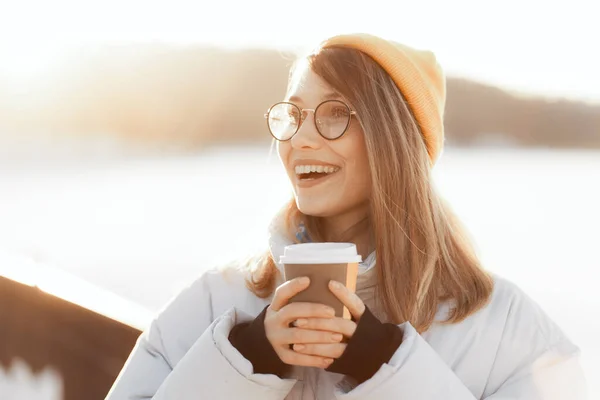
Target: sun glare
(470,39)
(23,64)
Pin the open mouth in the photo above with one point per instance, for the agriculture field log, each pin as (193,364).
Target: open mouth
(315,172)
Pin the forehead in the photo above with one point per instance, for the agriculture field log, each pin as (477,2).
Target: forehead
(309,88)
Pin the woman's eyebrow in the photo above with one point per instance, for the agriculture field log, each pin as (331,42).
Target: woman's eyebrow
(332,96)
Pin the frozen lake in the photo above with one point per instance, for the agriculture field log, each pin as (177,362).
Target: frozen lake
(144,227)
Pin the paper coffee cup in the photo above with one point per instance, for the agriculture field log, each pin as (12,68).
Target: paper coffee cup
(322,262)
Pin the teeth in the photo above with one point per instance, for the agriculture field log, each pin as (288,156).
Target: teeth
(305,169)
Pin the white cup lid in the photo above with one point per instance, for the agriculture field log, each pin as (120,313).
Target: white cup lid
(317,253)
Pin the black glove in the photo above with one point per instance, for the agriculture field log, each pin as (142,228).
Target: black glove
(372,345)
(250,339)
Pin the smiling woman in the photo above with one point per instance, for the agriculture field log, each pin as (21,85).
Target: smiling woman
(342,155)
(428,321)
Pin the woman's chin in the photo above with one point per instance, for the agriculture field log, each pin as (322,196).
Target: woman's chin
(315,209)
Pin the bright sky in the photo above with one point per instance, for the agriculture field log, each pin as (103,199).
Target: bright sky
(546,46)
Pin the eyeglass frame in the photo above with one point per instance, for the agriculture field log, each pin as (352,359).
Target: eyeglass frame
(303,117)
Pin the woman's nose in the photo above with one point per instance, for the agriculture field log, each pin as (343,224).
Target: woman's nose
(307,135)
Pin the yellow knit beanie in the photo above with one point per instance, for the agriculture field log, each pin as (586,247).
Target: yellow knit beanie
(418,76)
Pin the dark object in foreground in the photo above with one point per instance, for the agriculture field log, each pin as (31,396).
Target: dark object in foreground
(88,349)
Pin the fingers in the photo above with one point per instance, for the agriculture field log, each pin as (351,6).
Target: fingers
(283,337)
(292,357)
(340,325)
(297,335)
(287,290)
(334,350)
(354,304)
(294,311)
(317,334)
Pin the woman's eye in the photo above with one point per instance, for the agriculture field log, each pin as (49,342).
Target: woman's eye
(339,112)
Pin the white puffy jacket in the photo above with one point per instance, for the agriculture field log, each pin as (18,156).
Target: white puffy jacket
(508,350)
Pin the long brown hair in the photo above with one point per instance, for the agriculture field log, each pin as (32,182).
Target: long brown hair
(424,256)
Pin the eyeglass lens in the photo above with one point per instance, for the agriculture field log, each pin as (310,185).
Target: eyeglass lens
(331,119)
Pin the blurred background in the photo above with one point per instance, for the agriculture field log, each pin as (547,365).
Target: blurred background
(134,155)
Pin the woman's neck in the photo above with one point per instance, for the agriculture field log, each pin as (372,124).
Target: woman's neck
(353,227)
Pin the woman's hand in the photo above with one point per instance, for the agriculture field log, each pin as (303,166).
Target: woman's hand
(336,325)
(281,335)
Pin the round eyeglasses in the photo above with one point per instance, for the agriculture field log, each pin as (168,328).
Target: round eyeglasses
(331,117)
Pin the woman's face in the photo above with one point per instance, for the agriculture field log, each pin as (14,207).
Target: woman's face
(345,191)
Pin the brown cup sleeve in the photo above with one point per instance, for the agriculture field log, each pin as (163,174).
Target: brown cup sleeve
(320,275)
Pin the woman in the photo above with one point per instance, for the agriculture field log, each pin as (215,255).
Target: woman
(358,133)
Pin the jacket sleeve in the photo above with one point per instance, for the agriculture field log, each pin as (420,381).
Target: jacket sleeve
(521,354)
(184,355)
(417,372)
